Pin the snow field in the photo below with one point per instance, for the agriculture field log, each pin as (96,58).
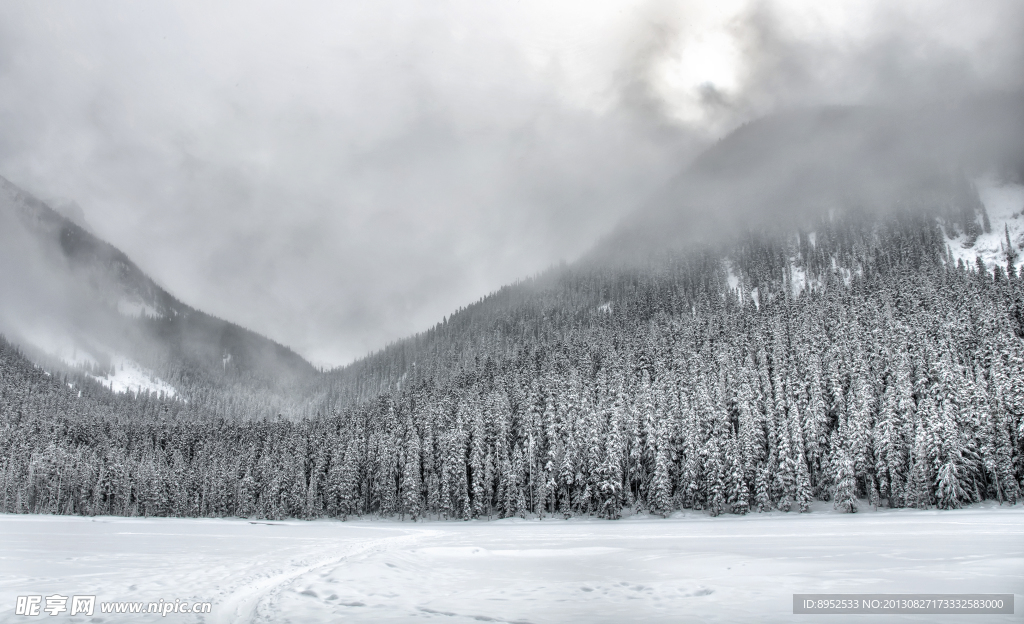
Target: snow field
(128,376)
(1005,206)
(688,568)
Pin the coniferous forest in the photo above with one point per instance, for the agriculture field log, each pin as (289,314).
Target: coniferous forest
(858,364)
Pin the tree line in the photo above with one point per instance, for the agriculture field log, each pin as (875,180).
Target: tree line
(854,364)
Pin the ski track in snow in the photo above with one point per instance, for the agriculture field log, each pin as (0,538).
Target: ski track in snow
(254,601)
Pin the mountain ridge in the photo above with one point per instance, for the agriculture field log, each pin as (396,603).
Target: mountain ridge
(110,307)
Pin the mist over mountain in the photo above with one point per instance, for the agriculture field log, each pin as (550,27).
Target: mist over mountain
(81,305)
(774,183)
(370,167)
(827,304)
(784,172)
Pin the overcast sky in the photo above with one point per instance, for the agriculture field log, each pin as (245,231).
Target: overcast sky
(337,175)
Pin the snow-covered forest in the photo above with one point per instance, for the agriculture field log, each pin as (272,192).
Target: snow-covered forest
(859,363)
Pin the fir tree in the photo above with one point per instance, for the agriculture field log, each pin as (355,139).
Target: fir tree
(845,497)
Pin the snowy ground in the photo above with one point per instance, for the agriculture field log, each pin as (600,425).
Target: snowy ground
(128,376)
(690,568)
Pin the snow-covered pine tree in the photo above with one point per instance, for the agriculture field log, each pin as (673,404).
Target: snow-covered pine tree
(785,475)
(480,487)
(804,495)
(412,485)
(950,473)
(845,497)
(762,496)
(347,492)
(660,501)
(609,484)
(738,497)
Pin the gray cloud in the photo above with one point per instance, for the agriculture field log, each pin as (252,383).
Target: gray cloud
(337,177)
(913,53)
(792,53)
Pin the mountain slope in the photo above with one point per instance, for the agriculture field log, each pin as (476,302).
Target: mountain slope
(74,298)
(771,188)
(781,173)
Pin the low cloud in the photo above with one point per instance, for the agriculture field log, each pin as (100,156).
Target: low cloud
(337,176)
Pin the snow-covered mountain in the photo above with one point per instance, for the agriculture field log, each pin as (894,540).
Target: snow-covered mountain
(826,306)
(754,207)
(73,300)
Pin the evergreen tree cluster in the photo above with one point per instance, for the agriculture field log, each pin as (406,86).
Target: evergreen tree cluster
(855,363)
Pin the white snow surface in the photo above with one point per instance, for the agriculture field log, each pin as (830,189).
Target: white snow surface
(1004,204)
(688,568)
(128,376)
